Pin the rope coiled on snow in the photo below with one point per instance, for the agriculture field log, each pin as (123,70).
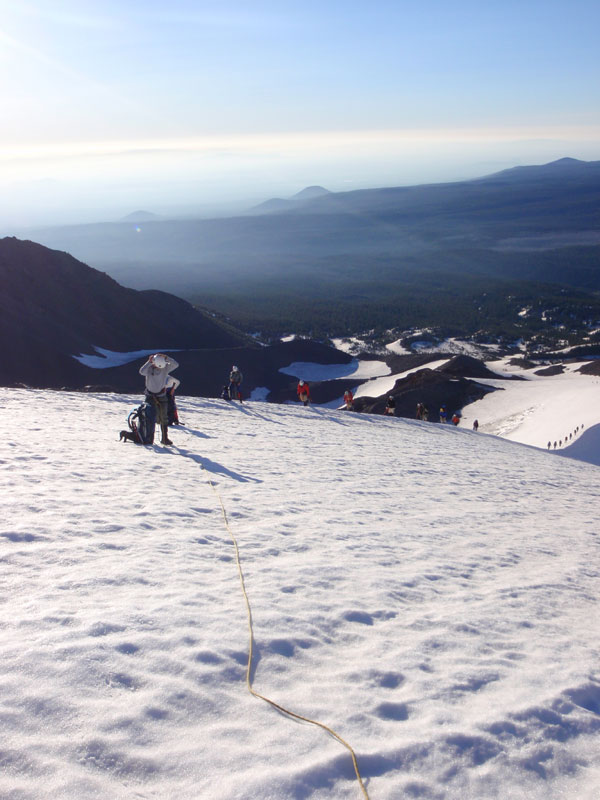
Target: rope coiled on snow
(252,691)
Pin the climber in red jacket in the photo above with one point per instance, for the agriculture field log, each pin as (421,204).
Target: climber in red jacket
(303,392)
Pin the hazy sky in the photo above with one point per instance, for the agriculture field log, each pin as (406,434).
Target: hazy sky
(113,105)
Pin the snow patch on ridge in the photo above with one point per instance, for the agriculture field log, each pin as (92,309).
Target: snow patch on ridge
(112,358)
(398,348)
(355,370)
(351,345)
(455,347)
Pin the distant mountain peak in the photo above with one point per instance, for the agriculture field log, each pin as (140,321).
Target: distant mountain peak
(565,161)
(561,167)
(140,216)
(310,192)
(279,204)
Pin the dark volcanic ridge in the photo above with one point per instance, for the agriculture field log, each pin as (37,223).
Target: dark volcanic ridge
(433,388)
(53,308)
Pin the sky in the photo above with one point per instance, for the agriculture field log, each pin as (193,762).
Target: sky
(115,106)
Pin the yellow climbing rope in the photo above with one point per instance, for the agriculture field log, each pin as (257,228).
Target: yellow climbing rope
(251,655)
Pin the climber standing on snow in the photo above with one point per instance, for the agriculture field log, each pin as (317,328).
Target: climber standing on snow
(303,392)
(235,379)
(156,372)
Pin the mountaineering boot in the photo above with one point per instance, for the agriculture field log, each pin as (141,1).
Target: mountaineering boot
(165,435)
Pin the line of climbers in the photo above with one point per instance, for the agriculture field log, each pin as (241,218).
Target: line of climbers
(159,402)
(422,413)
(568,438)
(160,406)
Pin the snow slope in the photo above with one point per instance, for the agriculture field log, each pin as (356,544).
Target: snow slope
(533,411)
(538,409)
(585,447)
(428,592)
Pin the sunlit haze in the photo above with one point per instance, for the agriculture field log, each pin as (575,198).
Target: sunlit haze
(194,107)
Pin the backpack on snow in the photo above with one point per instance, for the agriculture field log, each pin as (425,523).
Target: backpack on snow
(141,423)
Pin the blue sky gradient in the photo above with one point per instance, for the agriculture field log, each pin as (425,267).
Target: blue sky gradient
(198,105)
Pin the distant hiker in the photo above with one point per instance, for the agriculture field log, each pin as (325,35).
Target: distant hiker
(390,407)
(425,414)
(555,445)
(549,445)
(476,426)
(303,392)
(348,400)
(156,372)
(443,414)
(172,384)
(455,419)
(235,379)
(419,414)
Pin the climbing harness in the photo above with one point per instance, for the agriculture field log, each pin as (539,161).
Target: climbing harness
(251,653)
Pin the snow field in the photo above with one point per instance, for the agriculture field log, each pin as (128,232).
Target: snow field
(533,411)
(429,593)
(538,409)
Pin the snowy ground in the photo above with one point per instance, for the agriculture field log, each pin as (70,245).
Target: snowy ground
(428,592)
(534,411)
(539,409)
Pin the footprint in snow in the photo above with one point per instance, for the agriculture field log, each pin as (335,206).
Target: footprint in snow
(359,616)
(393,711)
(21,537)
(127,648)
